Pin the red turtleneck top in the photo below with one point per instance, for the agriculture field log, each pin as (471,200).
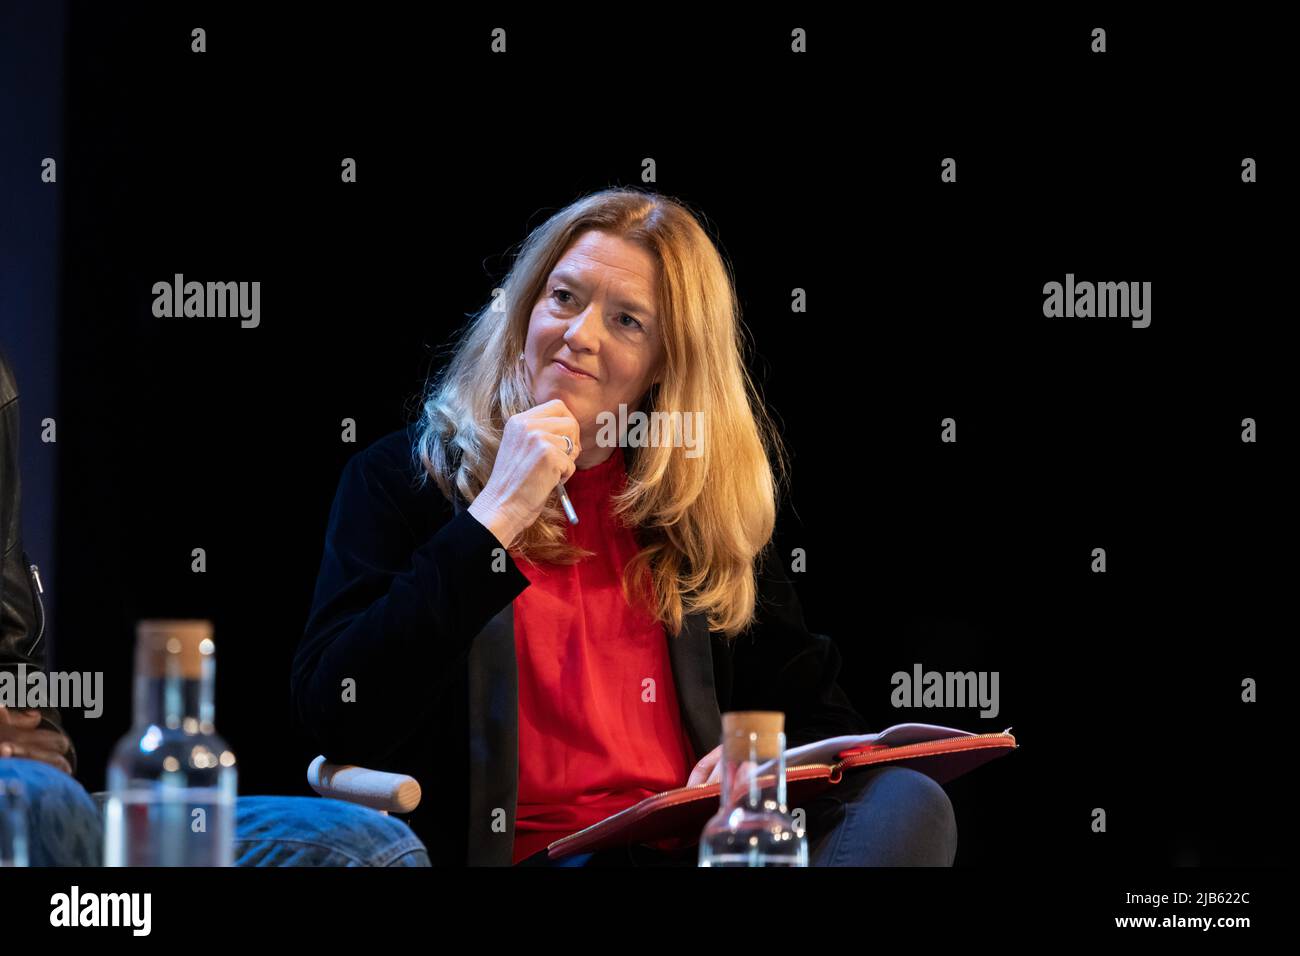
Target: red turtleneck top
(595,737)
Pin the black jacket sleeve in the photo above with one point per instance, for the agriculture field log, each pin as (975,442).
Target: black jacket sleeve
(404,587)
(22,616)
(781,665)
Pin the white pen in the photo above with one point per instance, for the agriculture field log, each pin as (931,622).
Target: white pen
(568,505)
(564,495)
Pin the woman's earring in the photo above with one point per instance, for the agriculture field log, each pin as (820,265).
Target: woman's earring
(521,356)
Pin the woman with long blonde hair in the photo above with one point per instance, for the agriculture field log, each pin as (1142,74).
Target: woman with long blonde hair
(545,673)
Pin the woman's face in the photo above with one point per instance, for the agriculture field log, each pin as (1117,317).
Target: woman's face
(598,314)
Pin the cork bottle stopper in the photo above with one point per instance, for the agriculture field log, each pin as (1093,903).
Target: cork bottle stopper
(737,725)
(167,648)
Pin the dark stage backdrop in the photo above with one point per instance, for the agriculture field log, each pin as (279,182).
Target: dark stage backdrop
(821,173)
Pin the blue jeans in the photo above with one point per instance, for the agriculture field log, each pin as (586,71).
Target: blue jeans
(885,816)
(64,829)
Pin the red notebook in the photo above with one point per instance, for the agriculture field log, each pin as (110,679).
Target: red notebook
(675,818)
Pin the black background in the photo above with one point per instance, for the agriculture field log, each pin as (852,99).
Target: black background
(819,172)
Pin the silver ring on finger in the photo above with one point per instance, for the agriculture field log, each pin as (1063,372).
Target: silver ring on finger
(568,444)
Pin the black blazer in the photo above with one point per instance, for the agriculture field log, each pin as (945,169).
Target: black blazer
(408,607)
(22,614)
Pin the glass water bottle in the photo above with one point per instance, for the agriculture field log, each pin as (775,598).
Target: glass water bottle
(171,779)
(753,826)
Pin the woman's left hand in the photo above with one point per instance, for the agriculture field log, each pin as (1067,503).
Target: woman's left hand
(709,770)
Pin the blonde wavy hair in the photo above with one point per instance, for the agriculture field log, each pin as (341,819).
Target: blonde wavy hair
(703,524)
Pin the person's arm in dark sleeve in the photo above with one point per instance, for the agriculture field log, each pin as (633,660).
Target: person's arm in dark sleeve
(393,614)
(22,617)
(781,665)
(22,621)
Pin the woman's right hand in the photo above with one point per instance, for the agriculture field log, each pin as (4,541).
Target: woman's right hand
(530,462)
